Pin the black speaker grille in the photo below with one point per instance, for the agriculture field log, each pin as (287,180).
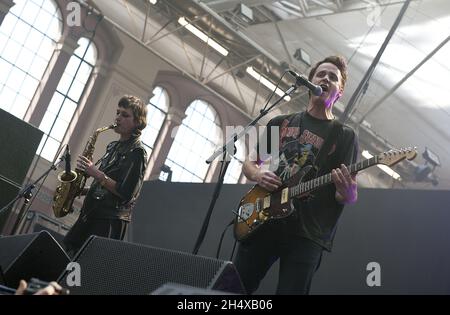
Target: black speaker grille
(12,246)
(116,267)
(35,255)
(22,141)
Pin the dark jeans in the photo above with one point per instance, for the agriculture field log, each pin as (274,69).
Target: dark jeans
(299,260)
(83,228)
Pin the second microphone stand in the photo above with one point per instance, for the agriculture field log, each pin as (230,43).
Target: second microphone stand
(27,194)
(226,161)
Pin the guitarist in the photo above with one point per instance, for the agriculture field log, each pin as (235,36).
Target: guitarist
(298,240)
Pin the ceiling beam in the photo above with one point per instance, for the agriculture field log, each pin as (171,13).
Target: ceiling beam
(228,5)
(360,90)
(230,69)
(403,80)
(303,7)
(330,5)
(283,42)
(320,8)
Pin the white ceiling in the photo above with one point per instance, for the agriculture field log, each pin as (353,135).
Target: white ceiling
(416,114)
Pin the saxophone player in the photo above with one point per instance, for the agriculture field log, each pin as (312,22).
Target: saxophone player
(118,178)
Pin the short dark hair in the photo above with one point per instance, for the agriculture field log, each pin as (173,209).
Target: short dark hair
(138,108)
(338,61)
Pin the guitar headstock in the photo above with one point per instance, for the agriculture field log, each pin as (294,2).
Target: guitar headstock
(394,156)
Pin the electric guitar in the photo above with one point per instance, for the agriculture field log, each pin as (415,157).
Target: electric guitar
(260,206)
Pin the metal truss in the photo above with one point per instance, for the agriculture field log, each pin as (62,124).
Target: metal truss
(267,11)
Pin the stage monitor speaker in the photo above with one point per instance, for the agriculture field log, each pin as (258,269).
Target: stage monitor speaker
(27,256)
(20,141)
(23,140)
(36,221)
(115,267)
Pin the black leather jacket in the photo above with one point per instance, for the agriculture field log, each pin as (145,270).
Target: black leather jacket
(125,163)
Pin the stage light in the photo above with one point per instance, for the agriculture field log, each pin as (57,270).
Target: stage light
(266,82)
(208,40)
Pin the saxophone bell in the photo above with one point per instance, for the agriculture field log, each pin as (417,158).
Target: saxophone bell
(65,177)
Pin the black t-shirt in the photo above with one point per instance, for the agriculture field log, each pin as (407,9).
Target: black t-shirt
(125,163)
(300,139)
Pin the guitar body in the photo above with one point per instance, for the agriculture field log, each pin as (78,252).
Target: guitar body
(260,206)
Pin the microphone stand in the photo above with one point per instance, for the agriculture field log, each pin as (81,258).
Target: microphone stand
(27,193)
(225,150)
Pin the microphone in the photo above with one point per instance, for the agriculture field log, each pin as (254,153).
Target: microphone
(67,159)
(302,80)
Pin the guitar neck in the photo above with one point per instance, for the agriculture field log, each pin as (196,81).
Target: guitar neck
(305,187)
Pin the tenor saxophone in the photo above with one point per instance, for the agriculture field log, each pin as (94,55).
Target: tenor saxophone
(72,184)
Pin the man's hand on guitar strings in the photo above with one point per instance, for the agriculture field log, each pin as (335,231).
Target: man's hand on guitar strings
(346,186)
(268,180)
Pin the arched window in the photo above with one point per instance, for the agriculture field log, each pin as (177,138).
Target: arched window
(156,113)
(235,168)
(28,37)
(66,98)
(196,139)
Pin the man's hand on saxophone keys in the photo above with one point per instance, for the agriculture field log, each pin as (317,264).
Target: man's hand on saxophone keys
(87,166)
(90,169)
